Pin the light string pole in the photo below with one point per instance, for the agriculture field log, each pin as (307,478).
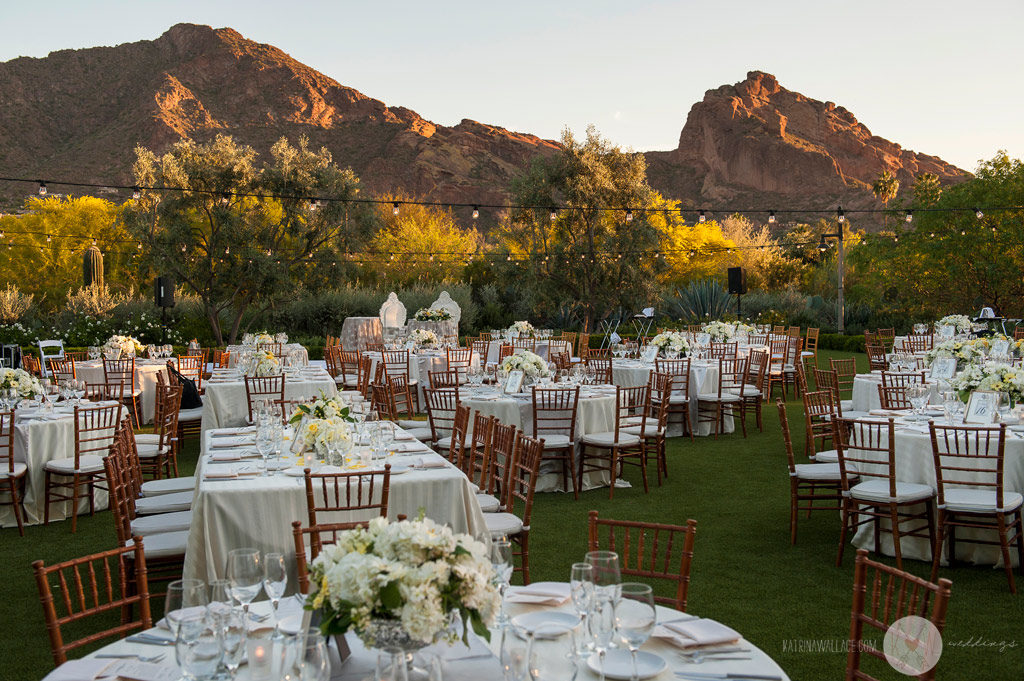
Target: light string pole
(823,246)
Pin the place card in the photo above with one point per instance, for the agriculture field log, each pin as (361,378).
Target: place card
(982,407)
(650,354)
(514,382)
(134,670)
(943,368)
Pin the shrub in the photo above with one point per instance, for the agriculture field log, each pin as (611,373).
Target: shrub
(14,304)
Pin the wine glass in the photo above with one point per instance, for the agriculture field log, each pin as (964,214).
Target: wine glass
(234,632)
(183,598)
(275,578)
(305,657)
(634,618)
(606,575)
(581,587)
(245,570)
(265,445)
(601,621)
(918,394)
(501,560)
(197,646)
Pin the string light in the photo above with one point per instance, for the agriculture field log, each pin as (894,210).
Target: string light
(701,217)
(910,216)
(476,212)
(42,188)
(554,214)
(629,215)
(840,215)
(394,208)
(978,214)
(771,216)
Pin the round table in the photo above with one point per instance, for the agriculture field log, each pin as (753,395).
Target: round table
(630,373)
(358,332)
(421,363)
(146,370)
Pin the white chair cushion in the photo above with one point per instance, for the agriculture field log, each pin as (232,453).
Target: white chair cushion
(19,470)
(855,414)
(650,429)
(878,490)
(745,391)
(421,434)
(348,381)
(980,501)
(146,525)
(806,353)
(631,421)
(407,424)
(164,545)
(846,405)
(164,503)
(819,471)
(195,414)
(608,439)
(151,451)
(725,397)
(827,456)
(147,438)
(503,523)
(154,488)
(90,463)
(555,440)
(488,503)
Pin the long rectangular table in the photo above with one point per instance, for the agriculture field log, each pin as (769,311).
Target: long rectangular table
(225,404)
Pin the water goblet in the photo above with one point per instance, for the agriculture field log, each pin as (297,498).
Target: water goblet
(601,624)
(918,394)
(275,578)
(198,646)
(183,597)
(635,618)
(234,632)
(606,575)
(581,587)
(501,561)
(245,571)
(265,445)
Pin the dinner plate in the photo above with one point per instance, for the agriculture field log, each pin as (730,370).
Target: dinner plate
(1018,428)
(545,624)
(618,664)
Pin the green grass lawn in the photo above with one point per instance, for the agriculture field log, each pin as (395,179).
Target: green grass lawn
(745,573)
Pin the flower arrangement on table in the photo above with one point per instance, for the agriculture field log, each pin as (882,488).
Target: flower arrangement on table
(720,331)
(257,338)
(995,376)
(423,338)
(432,314)
(963,350)
(264,364)
(744,328)
(960,322)
(522,329)
(671,340)
(24,383)
(531,364)
(413,573)
(128,346)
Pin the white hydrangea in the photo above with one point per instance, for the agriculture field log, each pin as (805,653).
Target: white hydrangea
(26,384)
(671,340)
(720,331)
(423,338)
(529,363)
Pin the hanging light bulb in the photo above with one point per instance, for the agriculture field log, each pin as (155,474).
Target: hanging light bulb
(94,241)
(771,216)
(314,204)
(476,212)
(629,215)
(978,214)
(136,193)
(42,188)
(49,238)
(394,208)
(840,215)
(910,216)
(701,217)
(225,198)
(822,245)
(139,245)
(554,214)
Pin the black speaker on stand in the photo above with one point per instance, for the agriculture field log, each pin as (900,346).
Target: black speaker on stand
(737,285)
(163,297)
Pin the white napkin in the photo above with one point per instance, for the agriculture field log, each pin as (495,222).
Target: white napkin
(231,455)
(400,435)
(541,593)
(430,462)
(224,442)
(78,670)
(225,432)
(413,446)
(134,670)
(886,412)
(696,632)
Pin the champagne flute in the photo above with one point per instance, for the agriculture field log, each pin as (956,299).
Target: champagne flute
(183,597)
(275,578)
(581,586)
(634,618)
(234,632)
(601,620)
(245,570)
(501,560)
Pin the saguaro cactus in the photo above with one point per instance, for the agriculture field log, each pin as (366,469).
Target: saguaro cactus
(92,267)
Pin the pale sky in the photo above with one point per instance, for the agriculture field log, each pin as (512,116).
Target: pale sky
(939,77)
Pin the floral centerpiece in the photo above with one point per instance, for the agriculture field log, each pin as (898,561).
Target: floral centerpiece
(960,322)
(532,365)
(720,331)
(411,574)
(995,376)
(24,383)
(264,363)
(432,314)
(671,340)
(323,424)
(257,338)
(522,329)
(423,338)
(128,346)
(745,328)
(962,350)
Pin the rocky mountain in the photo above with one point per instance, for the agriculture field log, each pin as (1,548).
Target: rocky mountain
(78,114)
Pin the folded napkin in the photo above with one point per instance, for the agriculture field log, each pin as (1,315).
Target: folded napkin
(400,435)
(135,670)
(409,446)
(430,462)
(240,441)
(79,670)
(231,455)
(227,432)
(540,593)
(181,613)
(917,428)
(220,473)
(696,632)
(887,412)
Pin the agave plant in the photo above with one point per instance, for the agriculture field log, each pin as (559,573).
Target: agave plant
(702,300)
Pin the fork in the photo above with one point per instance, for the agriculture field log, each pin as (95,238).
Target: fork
(130,656)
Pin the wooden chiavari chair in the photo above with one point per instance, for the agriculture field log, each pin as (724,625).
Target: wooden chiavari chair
(582,345)
(524,344)
(881,596)
(846,372)
(754,386)
(94,431)
(811,344)
(724,350)
(61,370)
(893,397)
(459,361)
(554,422)
(867,449)
(365,375)
(94,587)
(441,407)
(969,467)
(383,401)
(396,365)
(828,379)
(712,407)
(348,367)
(602,367)
(122,371)
(654,432)
(276,349)
(1018,333)
(191,367)
(648,551)
(324,534)
(160,459)
(902,379)
(679,402)
(918,342)
(30,364)
(353,496)
(608,451)
(476,464)
(259,388)
(514,521)
(887,337)
(456,449)
(11,472)
(503,445)
(820,411)
(876,357)
(332,358)
(812,483)
(444,379)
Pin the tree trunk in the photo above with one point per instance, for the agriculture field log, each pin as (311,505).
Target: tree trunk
(214,319)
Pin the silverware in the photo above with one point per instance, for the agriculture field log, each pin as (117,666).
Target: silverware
(731,676)
(132,656)
(150,640)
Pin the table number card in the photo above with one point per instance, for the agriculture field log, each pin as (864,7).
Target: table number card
(650,354)
(514,382)
(943,367)
(982,407)
(999,348)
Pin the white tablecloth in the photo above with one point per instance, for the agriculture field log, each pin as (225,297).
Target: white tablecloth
(258,511)
(915,463)
(460,663)
(494,349)
(225,404)
(91,371)
(630,373)
(357,332)
(865,391)
(36,441)
(236,350)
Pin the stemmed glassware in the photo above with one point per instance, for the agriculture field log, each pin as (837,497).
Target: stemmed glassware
(275,578)
(607,579)
(234,632)
(198,645)
(634,618)
(581,587)
(245,571)
(184,597)
(265,444)
(918,394)
(501,560)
